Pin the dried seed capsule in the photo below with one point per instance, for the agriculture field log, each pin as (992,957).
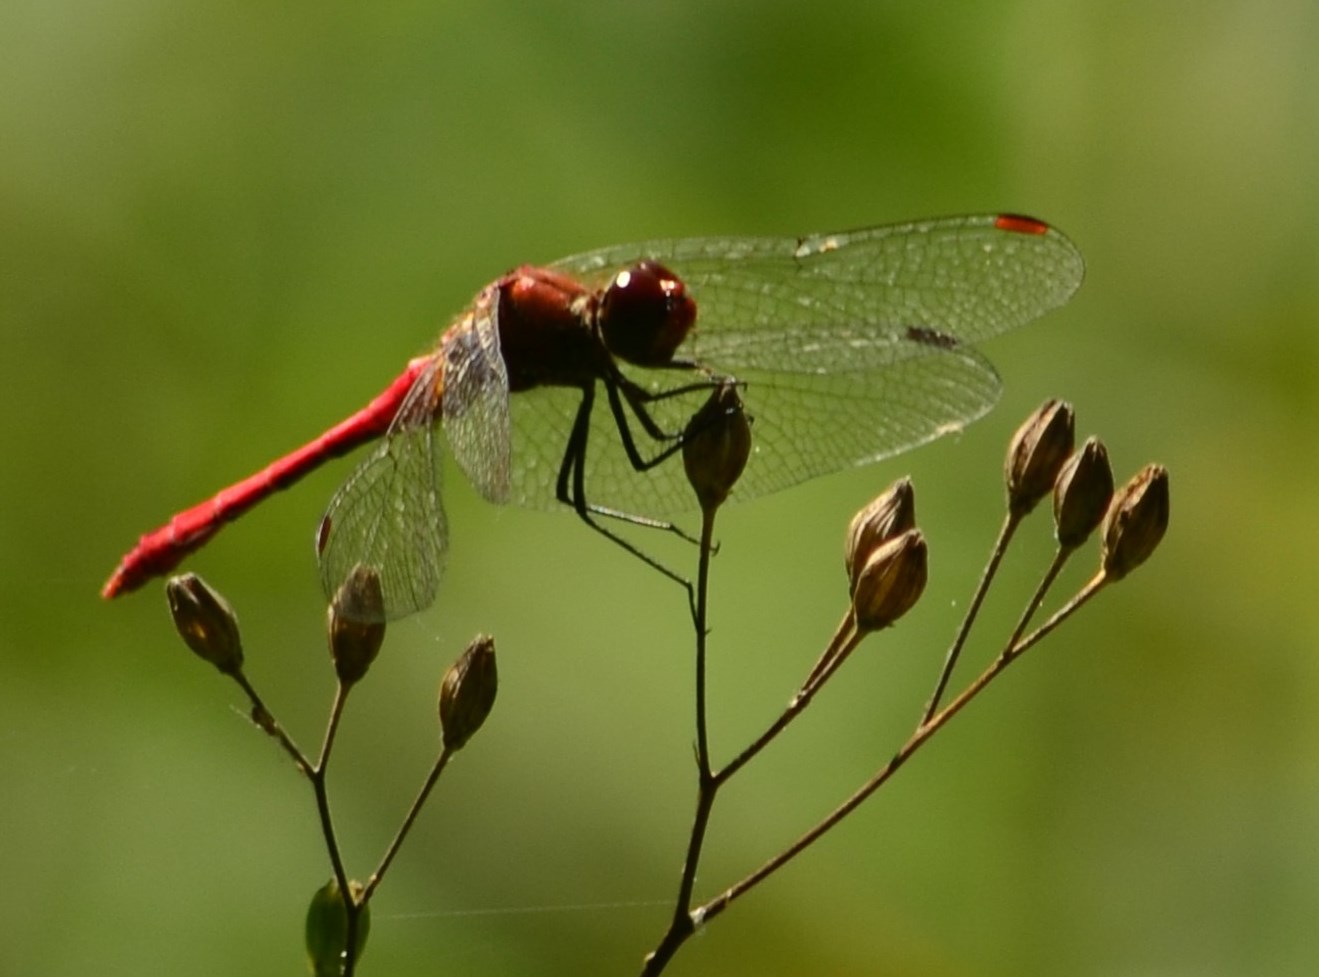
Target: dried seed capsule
(1136,521)
(205,621)
(716,446)
(889,514)
(356,636)
(1037,452)
(468,692)
(891,581)
(1082,493)
(326,930)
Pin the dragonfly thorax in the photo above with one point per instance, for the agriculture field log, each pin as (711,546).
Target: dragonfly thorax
(546,336)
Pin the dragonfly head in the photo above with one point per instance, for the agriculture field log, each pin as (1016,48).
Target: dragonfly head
(645,313)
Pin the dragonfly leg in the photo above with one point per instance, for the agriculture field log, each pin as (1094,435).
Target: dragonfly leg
(620,390)
(638,397)
(571,490)
(619,413)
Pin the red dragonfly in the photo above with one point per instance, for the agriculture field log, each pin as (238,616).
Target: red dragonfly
(846,348)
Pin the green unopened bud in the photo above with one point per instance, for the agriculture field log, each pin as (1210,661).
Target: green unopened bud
(356,624)
(1036,454)
(326,931)
(891,581)
(1082,494)
(467,693)
(716,446)
(205,621)
(1136,521)
(889,514)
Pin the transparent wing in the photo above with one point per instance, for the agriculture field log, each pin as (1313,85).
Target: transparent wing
(852,347)
(388,515)
(837,297)
(802,426)
(476,399)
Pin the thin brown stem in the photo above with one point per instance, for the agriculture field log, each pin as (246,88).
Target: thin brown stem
(353,911)
(418,802)
(681,926)
(918,738)
(316,774)
(321,789)
(332,725)
(1082,597)
(843,643)
(265,719)
(1010,523)
(845,627)
(702,632)
(1050,575)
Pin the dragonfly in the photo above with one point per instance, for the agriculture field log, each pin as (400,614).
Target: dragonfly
(571,384)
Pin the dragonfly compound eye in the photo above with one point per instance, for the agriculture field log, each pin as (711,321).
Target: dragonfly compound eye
(645,314)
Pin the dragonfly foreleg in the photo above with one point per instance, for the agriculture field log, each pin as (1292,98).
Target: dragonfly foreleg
(571,490)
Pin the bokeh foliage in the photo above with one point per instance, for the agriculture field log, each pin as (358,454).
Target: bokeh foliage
(222,226)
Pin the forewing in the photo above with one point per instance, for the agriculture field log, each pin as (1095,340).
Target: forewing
(966,278)
(388,515)
(475,408)
(851,347)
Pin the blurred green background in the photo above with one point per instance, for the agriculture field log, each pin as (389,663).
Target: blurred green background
(224,225)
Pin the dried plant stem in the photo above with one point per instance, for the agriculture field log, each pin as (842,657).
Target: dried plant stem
(354,900)
(923,732)
(1010,523)
(265,719)
(1082,597)
(845,639)
(721,902)
(316,774)
(353,912)
(701,609)
(841,645)
(682,924)
(684,920)
(440,763)
(846,628)
(1059,561)
(321,789)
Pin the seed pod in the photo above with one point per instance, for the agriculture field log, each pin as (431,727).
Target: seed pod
(1082,493)
(326,930)
(356,635)
(205,621)
(891,581)
(467,693)
(1036,454)
(716,446)
(1136,521)
(889,514)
